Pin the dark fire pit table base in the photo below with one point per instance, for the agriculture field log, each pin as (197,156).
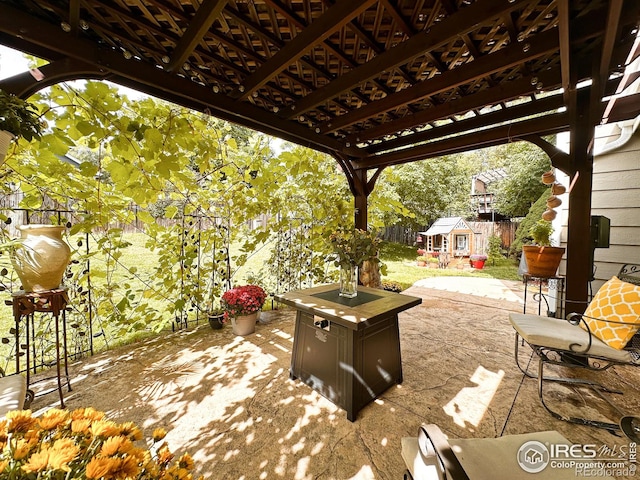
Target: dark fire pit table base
(348,350)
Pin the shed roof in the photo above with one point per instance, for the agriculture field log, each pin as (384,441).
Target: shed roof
(445,225)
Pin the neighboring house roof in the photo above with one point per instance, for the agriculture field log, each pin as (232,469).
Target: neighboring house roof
(490,176)
(445,225)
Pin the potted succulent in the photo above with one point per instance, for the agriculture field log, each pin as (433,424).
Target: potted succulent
(433,262)
(241,305)
(477,261)
(422,260)
(542,258)
(18,118)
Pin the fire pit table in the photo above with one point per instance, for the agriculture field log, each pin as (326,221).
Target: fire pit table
(347,349)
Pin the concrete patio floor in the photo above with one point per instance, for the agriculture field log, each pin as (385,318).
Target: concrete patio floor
(229,401)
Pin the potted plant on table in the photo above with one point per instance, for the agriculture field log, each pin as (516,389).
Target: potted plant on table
(18,118)
(353,247)
(241,305)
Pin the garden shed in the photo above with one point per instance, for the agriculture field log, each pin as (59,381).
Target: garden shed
(451,235)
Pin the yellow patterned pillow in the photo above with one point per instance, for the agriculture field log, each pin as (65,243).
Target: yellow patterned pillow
(615,301)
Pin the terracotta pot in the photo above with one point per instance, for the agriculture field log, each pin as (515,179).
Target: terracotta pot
(244,324)
(553,202)
(548,178)
(42,257)
(549,215)
(558,189)
(542,261)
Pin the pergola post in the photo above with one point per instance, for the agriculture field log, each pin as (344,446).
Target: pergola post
(579,265)
(360,199)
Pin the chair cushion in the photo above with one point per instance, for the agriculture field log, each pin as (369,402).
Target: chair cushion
(559,334)
(13,390)
(616,301)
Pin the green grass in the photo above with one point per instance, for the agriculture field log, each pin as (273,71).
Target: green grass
(400,261)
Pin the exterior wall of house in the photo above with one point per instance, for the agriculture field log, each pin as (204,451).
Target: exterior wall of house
(615,195)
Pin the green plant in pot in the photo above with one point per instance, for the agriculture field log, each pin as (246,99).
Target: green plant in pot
(18,118)
(542,258)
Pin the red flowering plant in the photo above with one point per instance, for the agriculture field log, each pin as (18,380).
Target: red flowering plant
(243,300)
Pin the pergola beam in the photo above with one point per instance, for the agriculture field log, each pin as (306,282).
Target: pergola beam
(206,14)
(333,19)
(465,21)
(547,125)
(480,68)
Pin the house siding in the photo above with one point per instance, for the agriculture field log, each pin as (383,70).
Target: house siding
(616,195)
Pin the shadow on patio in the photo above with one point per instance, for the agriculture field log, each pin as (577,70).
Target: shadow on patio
(229,400)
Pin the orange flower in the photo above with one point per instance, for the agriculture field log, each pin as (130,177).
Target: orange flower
(89,412)
(22,449)
(37,462)
(51,419)
(80,425)
(125,467)
(62,453)
(104,428)
(164,455)
(159,434)
(20,421)
(114,445)
(101,467)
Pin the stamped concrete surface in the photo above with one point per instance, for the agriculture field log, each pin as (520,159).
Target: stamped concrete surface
(229,401)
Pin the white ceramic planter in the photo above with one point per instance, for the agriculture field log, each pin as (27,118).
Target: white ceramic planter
(42,257)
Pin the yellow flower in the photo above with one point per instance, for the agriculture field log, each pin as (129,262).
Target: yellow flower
(37,462)
(159,434)
(186,461)
(20,421)
(81,425)
(3,465)
(89,413)
(51,419)
(114,445)
(22,449)
(130,430)
(63,452)
(104,428)
(100,467)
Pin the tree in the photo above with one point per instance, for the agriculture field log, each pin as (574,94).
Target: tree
(433,188)
(524,164)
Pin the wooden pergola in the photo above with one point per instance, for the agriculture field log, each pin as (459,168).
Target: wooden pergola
(371,82)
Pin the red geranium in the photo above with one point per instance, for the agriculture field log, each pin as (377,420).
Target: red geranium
(243,300)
